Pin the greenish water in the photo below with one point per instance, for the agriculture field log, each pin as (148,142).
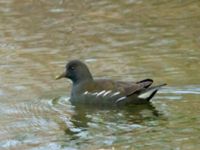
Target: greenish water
(122,39)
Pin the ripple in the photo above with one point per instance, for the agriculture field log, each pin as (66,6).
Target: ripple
(190,89)
(57,10)
(40,115)
(9,143)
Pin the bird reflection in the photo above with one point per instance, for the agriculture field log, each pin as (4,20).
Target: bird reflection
(84,115)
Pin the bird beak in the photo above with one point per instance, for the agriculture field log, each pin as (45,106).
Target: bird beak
(63,75)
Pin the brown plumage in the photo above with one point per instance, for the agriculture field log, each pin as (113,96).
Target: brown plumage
(86,90)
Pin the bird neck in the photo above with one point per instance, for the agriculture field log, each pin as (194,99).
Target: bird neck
(82,78)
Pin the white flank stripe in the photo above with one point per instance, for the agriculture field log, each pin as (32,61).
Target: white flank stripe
(101,93)
(106,93)
(116,93)
(120,99)
(94,94)
(85,93)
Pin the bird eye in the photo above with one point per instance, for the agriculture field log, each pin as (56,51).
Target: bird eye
(72,68)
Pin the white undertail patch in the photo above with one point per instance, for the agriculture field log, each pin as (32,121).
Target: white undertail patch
(146,94)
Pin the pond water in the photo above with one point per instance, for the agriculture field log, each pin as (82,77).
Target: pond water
(126,40)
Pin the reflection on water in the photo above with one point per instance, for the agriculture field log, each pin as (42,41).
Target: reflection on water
(124,40)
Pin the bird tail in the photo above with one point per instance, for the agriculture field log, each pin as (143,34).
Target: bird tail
(148,93)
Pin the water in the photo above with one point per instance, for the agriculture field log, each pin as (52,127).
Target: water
(123,40)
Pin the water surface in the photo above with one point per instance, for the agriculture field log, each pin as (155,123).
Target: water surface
(124,40)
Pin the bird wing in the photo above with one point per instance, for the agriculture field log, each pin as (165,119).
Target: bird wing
(130,88)
(125,88)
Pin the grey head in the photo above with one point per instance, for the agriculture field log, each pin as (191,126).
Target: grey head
(76,71)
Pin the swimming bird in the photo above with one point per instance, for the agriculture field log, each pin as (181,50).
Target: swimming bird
(88,90)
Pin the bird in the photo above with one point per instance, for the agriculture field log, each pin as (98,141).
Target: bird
(105,92)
